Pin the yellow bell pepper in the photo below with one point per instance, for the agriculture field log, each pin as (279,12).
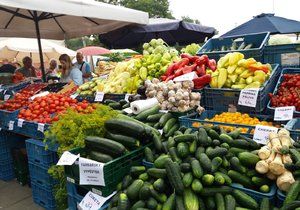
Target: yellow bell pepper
(253,85)
(223,61)
(249,80)
(240,86)
(235,57)
(214,82)
(228,83)
(231,69)
(233,77)
(222,77)
(259,76)
(239,70)
(241,81)
(246,74)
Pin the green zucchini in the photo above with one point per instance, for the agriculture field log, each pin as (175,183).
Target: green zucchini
(240,143)
(170,203)
(174,176)
(236,165)
(216,142)
(127,141)
(157,196)
(292,193)
(225,138)
(100,157)
(144,114)
(248,159)
(134,188)
(225,163)
(205,162)
(197,186)
(236,151)
(187,179)
(220,203)
(216,162)
(170,123)
(156,125)
(230,202)
(225,145)
(149,155)
(240,178)
(161,160)
(123,203)
(199,151)
(176,133)
(157,173)
(196,168)
(245,200)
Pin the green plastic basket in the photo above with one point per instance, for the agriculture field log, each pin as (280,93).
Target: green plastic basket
(114,171)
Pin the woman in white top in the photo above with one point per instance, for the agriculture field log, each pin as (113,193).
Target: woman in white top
(69,72)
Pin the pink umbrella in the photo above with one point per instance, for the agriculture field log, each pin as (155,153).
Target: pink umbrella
(93,50)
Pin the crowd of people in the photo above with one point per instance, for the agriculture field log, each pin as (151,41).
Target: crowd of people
(78,72)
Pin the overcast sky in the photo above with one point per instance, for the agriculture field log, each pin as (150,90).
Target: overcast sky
(226,14)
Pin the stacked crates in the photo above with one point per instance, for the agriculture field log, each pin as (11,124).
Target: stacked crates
(42,184)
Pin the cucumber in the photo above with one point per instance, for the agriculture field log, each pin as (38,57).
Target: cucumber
(174,176)
(188,131)
(225,163)
(158,196)
(154,117)
(201,204)
(106,146)
(179,203)
(100,157)
(173,154)
(172,130)
(264,189)
(127,141)
(236,151)
(115,105)
(210,203)
(156,125)
(126,181)
(196,168)
(191,201)
(176,133)
(182,150)
(144,192)
(182,129)
(148,155)
(157,173)
(134,188)
(236,165)
(170,203)
(152,203)
(185,167)
(205,162)
(292,193)
(251,173)
(208,179)
(157,142)
(245,200)
(216,163)
(227,179)
(160,161)
(199,151)
(295,155)
(230,202)
(135,171)
(291,206)
(216,152)
(171,142)
(240,143)
(220,203)
(185,138)
(240,178)
(123,202)
(259,181)
(225,145)
(170,123)
(203,137)
(226,138)
(197,186)
(219,179)
(248,159)
(138,204)
(213,134)
(193,147)
(234,134)
(144,114)
(144,177)
(216,142)
(211,191)
(159,185)
(187,179)
(108,101)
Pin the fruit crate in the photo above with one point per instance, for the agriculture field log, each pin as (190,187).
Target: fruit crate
(256,195)
(7,170)
(195,120)
(38,155)
(114,171)
(258,40)
(43,196)
(147,164)
(110,96)
(76,194)
(286,55)
(271,109)
(293,126)
(220,99)
(280,198)
(20,162)
(6,117)
(40,175)
(30,129)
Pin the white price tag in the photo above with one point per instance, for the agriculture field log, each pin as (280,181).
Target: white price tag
(11,125)
(128,110)
(6,97)
(41,127)
(20,123)
(91,172)
(290,59)
(284,113)
(74,95)
(261,133)
(186,77)
(67,159)
(99,96)
(127,96)
(164,111)
(92,201)
(160,131)
(248,97)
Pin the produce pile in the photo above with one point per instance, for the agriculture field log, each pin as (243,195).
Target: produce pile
(288,93)
(90,88)
(233,71)
(17,77)
(191,49)
(234,46)
(54,87)
(104,67)
(21,99)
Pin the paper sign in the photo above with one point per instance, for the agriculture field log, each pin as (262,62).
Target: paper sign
(248,97)
(92,201)
(67,159)
(91,172)
(20,123)
(6,97)
(41,127)
(290,59)
(261,133)
(186,77)
(74,95)
(160,131)
(11,125)
(99,96)
(39,95)
(127,96)
(128,110)
(284,113)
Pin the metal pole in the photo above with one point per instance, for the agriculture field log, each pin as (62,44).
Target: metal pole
(37,28)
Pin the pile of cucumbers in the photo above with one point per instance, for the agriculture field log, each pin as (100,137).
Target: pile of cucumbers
(117,105)
(194,170)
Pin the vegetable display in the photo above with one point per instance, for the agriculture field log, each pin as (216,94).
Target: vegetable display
(191,49)
(90,88)
(104,67)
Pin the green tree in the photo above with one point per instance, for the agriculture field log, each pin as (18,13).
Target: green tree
(190,20)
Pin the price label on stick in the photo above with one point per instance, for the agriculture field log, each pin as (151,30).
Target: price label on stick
(91,172)
(99,96)
(261,133)
(284,113)
(20,123)
(67,159)
(248,97)
(41,127)
(74,95)
(92,201)
(6,97)
(11,125)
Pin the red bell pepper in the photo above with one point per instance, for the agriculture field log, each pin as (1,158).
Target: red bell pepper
(178,72)
(212,64)
(192,59)
(200,82)
(163,78)
(200,70)
(183,62)
(189,69)
(203,59)
(170,70)
(170,78)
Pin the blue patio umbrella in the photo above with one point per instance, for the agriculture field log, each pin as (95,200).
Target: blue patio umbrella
(266,23)
(171,31)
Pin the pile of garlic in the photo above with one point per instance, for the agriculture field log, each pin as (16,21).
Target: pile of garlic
(174,96)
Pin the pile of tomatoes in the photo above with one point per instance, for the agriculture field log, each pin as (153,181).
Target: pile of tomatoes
(47,109)
(21,99)
(288,93)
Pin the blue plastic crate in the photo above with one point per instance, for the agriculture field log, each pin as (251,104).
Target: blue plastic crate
(76,194)
(293,126)
(212,47)
(43,196)
(278,53)
(7,170)
(147,164)
(30,129)
(280,198)
(271,109)
(37,153)
(40,175)
(110,96)
(256,195)
(220,99)
(7,116)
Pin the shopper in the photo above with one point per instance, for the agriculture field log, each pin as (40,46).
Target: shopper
(7,67)
(28,70)
(51,73)
(69,72)
(83,66)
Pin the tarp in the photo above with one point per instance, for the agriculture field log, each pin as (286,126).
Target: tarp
(266,23)
(171,31)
